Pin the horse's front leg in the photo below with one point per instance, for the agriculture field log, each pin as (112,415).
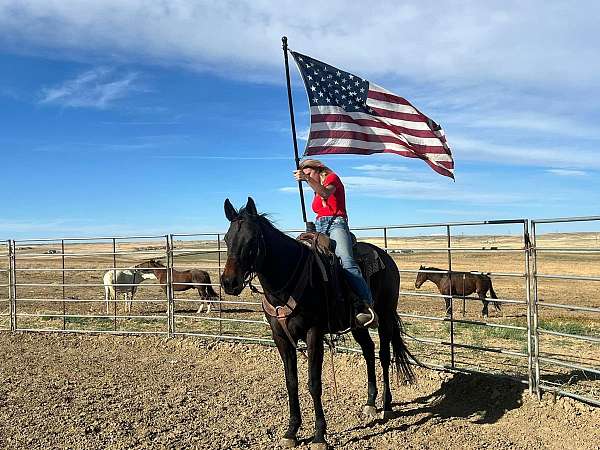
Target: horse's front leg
(202,303)
(367,346)
(314,343)
(290,365)
(130,302)
(206,299)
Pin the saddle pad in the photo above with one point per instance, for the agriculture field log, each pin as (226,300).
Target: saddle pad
(368,260)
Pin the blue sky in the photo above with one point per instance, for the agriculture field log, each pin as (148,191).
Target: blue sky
(137,117)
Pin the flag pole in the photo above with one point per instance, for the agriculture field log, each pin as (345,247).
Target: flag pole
(293,122)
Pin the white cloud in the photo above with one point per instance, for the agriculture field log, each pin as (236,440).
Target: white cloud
(426,190)
(302,135)
(567,173)
(97,88)
(557,124)
(380,187)
(62,227)
(17,229)
(480,150)
(536,42)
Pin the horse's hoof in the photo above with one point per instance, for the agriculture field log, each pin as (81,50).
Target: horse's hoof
(370,412)
(288,442)
(318,446)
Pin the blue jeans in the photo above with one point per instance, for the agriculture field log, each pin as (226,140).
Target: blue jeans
(340,233)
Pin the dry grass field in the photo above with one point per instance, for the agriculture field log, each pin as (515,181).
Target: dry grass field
(79,304)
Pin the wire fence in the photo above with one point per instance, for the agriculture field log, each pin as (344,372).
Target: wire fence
(540,330)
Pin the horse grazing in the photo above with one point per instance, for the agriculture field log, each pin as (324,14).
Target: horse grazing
(119,281)
(255,246)
(184,280)
(463,284)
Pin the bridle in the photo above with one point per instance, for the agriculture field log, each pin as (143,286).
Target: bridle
(297,282)
(260,255)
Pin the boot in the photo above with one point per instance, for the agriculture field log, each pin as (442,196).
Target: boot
(365,316)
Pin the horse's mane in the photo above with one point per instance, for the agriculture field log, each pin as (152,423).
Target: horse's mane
(262,218)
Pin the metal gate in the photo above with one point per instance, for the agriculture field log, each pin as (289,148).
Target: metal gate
(566,352)
(57,285)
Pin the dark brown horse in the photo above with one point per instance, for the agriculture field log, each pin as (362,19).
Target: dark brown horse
(184,280)
(282,264)
(463,284)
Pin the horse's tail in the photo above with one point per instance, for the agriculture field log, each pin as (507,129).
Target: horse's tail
(497,305)
(401,353)
(210,291)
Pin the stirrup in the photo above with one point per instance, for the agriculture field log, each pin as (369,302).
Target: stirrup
(372,322)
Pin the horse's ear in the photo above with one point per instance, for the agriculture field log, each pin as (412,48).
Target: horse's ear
(230,211)
(251,207)
(422,267)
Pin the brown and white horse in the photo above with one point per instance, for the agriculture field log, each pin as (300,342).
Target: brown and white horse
(124,281)
(184,280)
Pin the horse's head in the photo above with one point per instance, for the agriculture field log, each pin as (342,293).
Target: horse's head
(147,267)
(245,246)
(421,277)
(156,264)
(144,267)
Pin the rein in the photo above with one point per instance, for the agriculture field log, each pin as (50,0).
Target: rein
(252,272)
(296,284)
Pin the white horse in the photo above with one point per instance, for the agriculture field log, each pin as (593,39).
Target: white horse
(114,279)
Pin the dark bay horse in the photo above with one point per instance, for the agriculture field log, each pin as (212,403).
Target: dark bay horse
(463,284)
(184,280)
(255,246)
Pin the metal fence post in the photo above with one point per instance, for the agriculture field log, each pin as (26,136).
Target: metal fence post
(385,239)
(451,296)
(527,248)
(115,281)
(13,268)
(64,305)
(219,279)
(169,288)
(534,307)
(11,308)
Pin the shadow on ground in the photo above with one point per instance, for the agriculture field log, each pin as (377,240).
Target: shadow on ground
(480,398)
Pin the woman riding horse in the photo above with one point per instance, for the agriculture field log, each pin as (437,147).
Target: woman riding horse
(329,204)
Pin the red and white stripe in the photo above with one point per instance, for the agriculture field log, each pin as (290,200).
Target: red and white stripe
(398,127)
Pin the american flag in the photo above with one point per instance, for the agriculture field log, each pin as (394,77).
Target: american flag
(348,114)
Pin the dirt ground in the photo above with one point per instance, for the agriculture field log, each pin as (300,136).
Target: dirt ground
(116,392)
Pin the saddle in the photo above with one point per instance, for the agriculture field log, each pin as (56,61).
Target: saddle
(367,258)
(340,297)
